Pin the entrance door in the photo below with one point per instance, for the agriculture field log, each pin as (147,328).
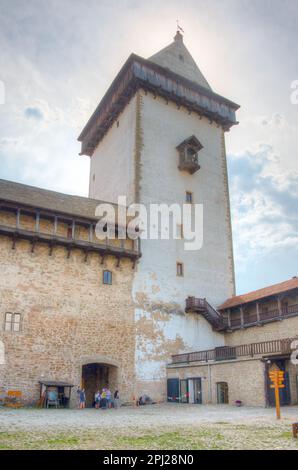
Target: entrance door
(195,390)
(222,393)
(173,390)
(184,391)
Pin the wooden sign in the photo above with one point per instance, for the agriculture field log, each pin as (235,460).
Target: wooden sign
(277,379)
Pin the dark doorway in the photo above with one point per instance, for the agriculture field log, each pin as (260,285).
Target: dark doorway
(222,393)
(97,376)
(284,393)
(195,391)
(173,390)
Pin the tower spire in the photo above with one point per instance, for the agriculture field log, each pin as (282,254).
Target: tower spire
(178,35)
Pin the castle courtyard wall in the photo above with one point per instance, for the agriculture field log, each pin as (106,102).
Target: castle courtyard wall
(68,317)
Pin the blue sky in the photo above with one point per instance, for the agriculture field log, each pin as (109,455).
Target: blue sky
(59,56)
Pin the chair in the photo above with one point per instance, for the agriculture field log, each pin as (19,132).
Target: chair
(52,399)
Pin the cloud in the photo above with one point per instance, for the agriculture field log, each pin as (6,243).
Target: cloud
(264,203)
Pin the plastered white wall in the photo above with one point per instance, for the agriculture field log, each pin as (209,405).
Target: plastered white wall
(111,167)
(208,272)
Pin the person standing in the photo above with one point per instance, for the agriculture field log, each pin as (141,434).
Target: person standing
(109,398)
(103,401)
(116,399)
(82,399)
(97,398)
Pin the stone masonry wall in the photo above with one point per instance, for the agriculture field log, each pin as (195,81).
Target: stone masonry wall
(69,317)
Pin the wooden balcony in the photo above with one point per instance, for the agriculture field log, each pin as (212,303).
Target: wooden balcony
(227,353)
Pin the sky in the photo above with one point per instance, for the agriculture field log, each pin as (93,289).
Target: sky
(58,57)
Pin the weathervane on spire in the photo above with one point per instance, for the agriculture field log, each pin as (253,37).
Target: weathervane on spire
(179,27)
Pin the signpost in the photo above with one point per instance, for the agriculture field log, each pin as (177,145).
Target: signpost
(277,378)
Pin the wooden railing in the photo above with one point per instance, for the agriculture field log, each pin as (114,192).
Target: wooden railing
(264,317)
(52,237)
(194,304)
(233,352)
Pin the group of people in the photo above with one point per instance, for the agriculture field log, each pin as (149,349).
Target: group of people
(103,399)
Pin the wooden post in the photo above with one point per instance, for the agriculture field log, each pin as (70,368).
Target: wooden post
(277,402)
(277,378)
(18,218)
(55,225)
(279,306)
(90,233)
(37,218)
(229,318)
(258,311)
(242,316)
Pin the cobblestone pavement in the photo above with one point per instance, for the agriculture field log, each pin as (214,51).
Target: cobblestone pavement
(145,417)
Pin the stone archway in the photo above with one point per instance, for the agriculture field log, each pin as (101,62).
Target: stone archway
(98,372)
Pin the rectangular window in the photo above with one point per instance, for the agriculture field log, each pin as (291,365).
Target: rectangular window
(107,277)
(179,268)
(188,197)
(12,322)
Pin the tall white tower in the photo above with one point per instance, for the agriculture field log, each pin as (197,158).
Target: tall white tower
(157,136)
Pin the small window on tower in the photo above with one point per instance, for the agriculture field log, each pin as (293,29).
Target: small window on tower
(179,269)
(107,277)
(188,197)
(12,322)
(93,177)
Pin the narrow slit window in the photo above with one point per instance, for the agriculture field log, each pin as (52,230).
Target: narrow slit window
(179,269)
(107,277)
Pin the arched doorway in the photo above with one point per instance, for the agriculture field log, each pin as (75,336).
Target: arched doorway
(96,376)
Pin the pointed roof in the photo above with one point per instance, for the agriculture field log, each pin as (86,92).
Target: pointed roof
(177,58)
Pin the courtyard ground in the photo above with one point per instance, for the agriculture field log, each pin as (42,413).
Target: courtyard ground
(167,426)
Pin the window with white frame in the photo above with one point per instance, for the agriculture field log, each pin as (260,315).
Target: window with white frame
(12,322)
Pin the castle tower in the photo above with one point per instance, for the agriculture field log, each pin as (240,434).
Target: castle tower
(157,136)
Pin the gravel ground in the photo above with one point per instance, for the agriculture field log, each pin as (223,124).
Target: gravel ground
(146,417)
